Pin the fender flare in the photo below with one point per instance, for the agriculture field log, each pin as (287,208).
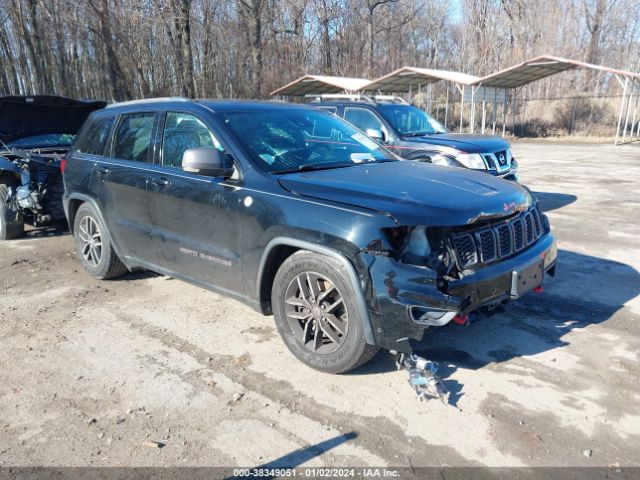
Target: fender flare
(87,199)
(350,269)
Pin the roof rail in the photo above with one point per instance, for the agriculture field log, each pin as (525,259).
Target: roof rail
(390,98)
(148,100)
(354,97)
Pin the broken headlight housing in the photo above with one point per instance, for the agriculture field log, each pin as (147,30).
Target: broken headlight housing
(415,246)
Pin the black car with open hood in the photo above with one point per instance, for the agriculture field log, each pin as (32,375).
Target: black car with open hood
(35,134)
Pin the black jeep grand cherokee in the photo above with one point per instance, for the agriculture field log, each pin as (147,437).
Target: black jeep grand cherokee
(295,212)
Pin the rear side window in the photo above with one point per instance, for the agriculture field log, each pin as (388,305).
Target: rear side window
(132,139)
(93,136)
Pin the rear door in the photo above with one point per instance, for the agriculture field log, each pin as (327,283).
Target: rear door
(193,217)
(121,181)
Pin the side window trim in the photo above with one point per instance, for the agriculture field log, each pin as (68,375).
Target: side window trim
(106,150)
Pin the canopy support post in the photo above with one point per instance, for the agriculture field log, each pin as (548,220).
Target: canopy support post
(624,95)
(461,106)
(495,104)
(635,109)
(484,114)
(505,106)
(626,118)
(473,107)
(637,134)
(446,107)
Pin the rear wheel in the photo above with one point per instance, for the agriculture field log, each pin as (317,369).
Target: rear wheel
(11,221)
(316,315)
(94,246)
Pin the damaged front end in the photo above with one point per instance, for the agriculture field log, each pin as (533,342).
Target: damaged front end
(34,184)
(425,276)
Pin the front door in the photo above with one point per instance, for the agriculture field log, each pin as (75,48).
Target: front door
(193,217)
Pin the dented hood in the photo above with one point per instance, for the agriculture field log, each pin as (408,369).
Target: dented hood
(414,193)
(22,117)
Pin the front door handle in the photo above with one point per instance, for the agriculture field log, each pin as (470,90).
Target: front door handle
(162,182)
(102,170)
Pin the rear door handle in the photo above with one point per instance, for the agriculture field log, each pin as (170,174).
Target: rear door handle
(103,170)
(163,182)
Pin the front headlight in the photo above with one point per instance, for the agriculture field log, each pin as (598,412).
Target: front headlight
(472,160)
(438,159)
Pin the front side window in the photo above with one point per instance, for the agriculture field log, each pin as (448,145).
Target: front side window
(93,137)
(362,118)
(411,121)
(183,131)
(292,139)
(132,140)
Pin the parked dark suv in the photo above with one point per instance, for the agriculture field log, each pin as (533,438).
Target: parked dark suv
(296,213)
(411,133)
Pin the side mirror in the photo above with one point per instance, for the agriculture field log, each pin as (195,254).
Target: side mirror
(376,134)
(206,161)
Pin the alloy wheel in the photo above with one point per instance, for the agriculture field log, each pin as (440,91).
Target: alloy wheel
(316,312)
(90,240)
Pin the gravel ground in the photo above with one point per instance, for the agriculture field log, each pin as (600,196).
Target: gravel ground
(104,373)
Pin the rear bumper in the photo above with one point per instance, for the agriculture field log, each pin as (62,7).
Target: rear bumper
(407,299)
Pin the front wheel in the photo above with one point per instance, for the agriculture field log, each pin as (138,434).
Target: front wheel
(316,315)
(94,245)
(11,221)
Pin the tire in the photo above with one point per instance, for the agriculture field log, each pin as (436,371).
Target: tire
(343,344)
(93,245)
(11,221)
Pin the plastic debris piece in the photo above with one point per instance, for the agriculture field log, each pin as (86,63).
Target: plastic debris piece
(423,377)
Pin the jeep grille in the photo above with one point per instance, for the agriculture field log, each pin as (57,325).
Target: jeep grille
(493,242)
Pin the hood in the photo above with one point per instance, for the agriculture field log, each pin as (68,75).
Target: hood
(22,117)
(413,192)
(465,142)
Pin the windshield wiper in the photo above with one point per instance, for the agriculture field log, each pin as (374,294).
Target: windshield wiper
(417,134)
(309,167)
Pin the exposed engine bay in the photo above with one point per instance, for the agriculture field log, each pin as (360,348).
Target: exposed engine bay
(36,189)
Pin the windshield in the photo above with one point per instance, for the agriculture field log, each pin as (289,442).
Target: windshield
(408,120)
(43,141)
(292,139)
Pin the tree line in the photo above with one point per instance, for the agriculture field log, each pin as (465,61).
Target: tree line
(125,49)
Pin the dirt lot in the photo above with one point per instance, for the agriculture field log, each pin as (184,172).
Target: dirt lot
(91,370)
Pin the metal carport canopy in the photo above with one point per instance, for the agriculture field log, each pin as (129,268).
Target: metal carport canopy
(538,68)
(544,66)
(406,78)
(317,84)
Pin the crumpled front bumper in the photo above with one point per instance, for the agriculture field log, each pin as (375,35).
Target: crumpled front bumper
(407,299)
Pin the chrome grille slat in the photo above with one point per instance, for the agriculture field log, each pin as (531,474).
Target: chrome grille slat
(503,239)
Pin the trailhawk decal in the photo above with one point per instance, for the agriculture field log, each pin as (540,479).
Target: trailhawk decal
(206,256)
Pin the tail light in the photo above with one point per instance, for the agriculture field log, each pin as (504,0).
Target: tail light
(63,164)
